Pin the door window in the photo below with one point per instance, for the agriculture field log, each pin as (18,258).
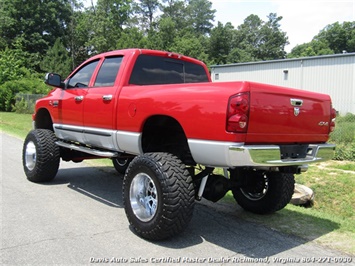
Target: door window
(81,79)
(108,72)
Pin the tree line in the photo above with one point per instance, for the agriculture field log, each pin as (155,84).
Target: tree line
(39,36)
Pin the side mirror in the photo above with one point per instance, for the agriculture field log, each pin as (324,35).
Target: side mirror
(54,80)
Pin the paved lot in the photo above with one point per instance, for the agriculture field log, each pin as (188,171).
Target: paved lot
(79,219)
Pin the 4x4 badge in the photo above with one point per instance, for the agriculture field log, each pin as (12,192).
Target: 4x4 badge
(296,111)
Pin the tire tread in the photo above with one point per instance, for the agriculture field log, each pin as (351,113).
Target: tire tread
(177,193)
(48,155)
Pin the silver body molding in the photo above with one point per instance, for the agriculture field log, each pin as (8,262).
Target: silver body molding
(112,140)
(229,154)
(205,152)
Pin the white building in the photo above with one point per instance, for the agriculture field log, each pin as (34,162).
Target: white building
(329,74)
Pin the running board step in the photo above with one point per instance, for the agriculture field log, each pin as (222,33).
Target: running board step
(100,153)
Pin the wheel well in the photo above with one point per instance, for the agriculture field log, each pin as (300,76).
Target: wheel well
(43,120)
(165,134)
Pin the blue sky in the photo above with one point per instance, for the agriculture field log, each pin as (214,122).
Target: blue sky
(302,19)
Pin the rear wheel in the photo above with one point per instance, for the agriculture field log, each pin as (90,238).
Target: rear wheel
(158,195)
(121,164)
(264,192)
(40,155)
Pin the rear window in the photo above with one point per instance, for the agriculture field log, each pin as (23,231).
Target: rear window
(151,70)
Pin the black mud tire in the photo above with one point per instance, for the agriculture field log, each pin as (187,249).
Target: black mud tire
(121,164)
(171,191)
(40,156)
(271,192)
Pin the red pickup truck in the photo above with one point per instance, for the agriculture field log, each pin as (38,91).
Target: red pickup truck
(166,127)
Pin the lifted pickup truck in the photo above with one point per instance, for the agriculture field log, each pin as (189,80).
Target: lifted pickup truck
(166,127)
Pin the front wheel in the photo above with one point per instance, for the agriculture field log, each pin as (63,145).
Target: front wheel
(40,155)
(158,195)
(264,192)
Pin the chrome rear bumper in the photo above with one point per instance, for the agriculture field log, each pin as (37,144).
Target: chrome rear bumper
(270,155)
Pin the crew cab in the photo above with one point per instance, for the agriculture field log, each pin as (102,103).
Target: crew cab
(167,127)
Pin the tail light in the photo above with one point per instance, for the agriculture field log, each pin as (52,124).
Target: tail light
(238,113)
(333,115)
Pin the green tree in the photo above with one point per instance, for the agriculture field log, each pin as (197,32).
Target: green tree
(78,32)
(200,16)
(247,36)
(35,24)
(312,48)
(340,37)
(15,78)
(238,55)
(177,11)
(57,60)
(190,45)
(11,64)
(131,37)
(145,11)
(335,38)
(273,39)
(107,21)
(262,40)
(220,43)
(163,37)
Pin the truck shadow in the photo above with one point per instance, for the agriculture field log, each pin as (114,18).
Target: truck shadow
(234,229)
(223,225)
(102,184)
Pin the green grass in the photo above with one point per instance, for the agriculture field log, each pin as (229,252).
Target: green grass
(16,124)
(330,221)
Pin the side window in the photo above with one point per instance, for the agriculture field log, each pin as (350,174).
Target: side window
(194,73)
(108,72)
(82,78)
(149,70)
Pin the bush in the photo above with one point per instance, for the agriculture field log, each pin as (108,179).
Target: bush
(344,137)
(21,106)
(8,91)
(345,152)
(25,103)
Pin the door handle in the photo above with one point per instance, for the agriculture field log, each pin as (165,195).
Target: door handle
(78,98)
(54,103)
(107,97)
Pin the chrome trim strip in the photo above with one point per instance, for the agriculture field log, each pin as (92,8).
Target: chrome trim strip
(85,130)
(69,128)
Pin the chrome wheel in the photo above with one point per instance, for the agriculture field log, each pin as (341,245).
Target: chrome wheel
(258,190)
(158,195)
(143,197)
(121,162)
(263,192)
(30,155)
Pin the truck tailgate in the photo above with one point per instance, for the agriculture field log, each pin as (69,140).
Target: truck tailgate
(282,115)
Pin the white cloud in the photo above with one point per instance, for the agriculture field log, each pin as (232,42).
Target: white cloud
(302,19)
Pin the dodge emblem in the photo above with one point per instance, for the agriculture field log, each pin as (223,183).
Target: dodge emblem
(296,111)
